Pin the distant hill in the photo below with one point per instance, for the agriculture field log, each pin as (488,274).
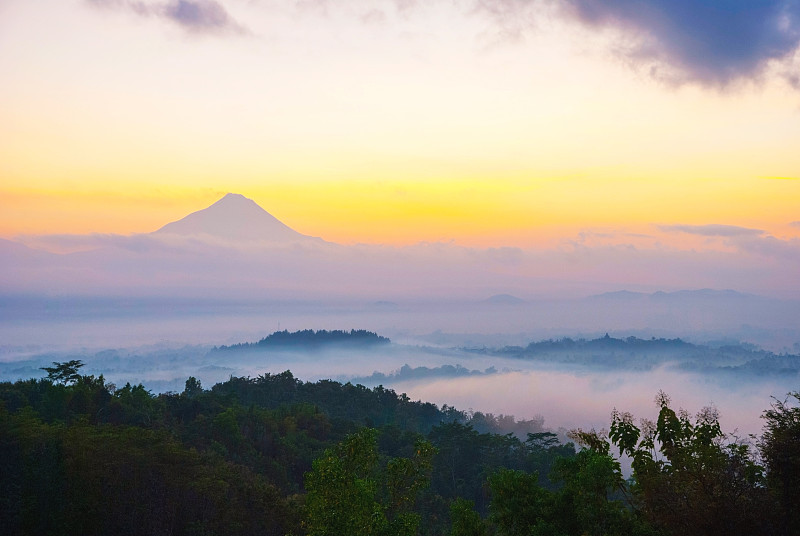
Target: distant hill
(632,353)
(385,305)
(408,373)
(703,294)
(700,294)
(504,299)
(620,295)
(12,253)
(309,339)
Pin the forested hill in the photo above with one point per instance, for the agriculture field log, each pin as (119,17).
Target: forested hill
(81,456)
(277,456)
(310,339)
(632,353)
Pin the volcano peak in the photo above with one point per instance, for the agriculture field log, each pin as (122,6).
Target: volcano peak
(234,217)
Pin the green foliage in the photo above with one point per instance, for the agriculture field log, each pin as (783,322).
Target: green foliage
(80,456)
(193,387)
(592,481)
(543,452)
(276,425)
(780,449)
(583,504)
(518,504)
(348,492)
(466,458)
(690,477)
(372,407)
(308,338)
(465,520)
(105,479)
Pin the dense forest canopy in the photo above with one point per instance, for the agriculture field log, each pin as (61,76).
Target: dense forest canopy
(309,338)
(276,455)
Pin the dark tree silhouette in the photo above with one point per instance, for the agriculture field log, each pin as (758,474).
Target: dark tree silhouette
(64,373)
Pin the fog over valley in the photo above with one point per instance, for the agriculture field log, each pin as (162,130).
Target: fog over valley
(152,308)
(569,382)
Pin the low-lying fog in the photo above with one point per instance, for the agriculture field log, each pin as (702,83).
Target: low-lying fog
(446,354)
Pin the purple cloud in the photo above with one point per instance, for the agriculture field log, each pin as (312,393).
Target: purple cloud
(711,230)
(200,16)
(195,16)
(710,41)
(787,251)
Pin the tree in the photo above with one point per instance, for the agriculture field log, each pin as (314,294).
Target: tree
(589,500)
(690,478)
(64,373)
(780,449)
(519,505)
(193,387)
(465,520)
(584,504)
(543,449)
(349,493)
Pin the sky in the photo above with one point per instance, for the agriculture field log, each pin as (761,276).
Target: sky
(655,124)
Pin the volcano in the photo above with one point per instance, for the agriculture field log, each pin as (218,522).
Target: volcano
(234,218)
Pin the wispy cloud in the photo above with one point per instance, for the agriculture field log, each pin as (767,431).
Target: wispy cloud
(745,239)
(68,243)
(769,246)
(194,16)
(795,224)
(711,230)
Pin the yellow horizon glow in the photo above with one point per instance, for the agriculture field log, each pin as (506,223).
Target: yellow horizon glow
(471,212)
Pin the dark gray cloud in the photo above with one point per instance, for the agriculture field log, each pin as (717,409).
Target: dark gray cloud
(710,41)
(195,16)
(711,230)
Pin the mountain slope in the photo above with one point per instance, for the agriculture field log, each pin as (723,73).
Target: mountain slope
(234,217)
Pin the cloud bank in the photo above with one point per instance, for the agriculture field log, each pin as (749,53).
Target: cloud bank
(194,16)
(711,230)
(753,262)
